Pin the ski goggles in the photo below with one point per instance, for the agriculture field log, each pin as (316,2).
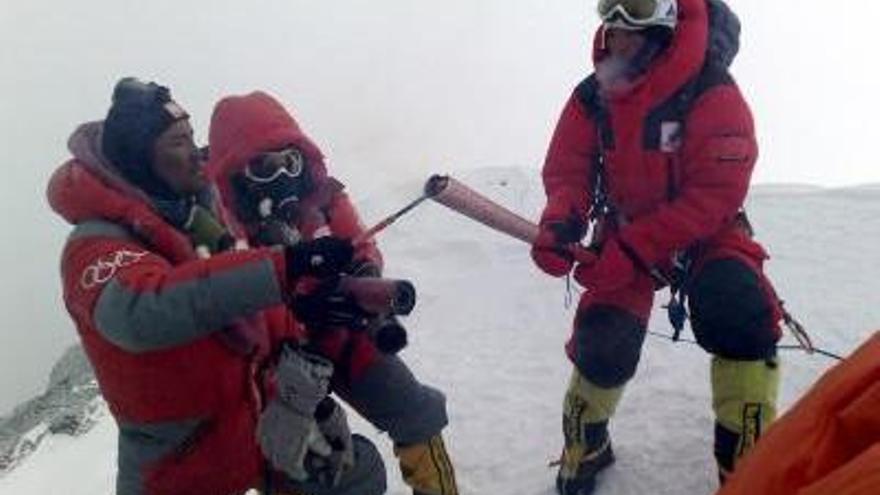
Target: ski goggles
(638,14)
(268,167)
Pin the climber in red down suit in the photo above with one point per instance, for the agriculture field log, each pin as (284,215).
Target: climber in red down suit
(653,156)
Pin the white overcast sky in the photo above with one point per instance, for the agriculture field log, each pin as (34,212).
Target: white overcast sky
(391,89)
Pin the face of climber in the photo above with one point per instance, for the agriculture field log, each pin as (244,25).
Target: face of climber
(624,44)
(176,159)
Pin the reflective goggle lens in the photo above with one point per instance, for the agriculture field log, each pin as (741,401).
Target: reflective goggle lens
(637,10)
(269,166)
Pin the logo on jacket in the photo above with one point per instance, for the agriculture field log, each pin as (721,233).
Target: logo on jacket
(101,271)
(670,136)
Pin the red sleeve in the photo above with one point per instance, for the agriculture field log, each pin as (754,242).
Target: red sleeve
(718,156)
(567,167)
(346,223)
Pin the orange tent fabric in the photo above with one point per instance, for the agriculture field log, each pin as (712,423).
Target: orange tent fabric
(828,443)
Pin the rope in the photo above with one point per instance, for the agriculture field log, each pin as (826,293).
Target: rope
(569,292)
(797,347)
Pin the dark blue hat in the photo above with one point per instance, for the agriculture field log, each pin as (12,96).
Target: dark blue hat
(139,114)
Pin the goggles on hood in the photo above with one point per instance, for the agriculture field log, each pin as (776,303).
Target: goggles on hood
(638,14)
(267,167)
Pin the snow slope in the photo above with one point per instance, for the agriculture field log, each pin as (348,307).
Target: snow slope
(489,330)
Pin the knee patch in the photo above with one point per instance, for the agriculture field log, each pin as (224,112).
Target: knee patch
(731,313)
(607,345)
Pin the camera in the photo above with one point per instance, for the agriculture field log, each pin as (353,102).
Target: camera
(367,304)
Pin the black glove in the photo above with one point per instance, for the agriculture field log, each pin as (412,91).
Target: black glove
(322,257)
(568,231)
(327,307)
(549,248)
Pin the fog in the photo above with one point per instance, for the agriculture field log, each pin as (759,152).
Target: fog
(393,90)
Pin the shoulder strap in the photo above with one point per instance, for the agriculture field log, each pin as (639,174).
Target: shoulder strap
(587,93)
(677,107)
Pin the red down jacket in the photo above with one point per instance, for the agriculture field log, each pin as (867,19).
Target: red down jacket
(175,341)
(707,159)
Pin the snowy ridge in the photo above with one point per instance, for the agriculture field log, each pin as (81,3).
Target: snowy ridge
(488,329)
(764,189)
(70,406)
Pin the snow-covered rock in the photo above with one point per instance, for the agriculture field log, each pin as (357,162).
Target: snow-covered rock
(70,406)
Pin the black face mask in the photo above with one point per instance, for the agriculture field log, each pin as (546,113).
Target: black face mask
(271,187)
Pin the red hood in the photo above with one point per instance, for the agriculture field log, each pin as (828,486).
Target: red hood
(680,62)
(87,188)
(245,126)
